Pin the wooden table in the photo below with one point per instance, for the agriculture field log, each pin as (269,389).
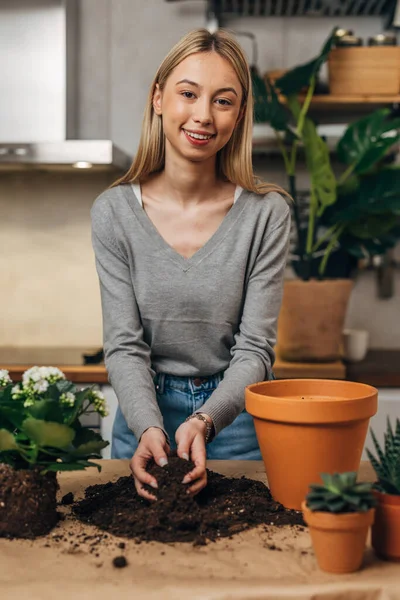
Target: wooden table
(243,567)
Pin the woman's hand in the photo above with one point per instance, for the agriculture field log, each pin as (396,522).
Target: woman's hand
(153,444)
(190,441)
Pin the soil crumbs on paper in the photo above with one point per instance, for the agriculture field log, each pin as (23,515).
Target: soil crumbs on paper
(225,507)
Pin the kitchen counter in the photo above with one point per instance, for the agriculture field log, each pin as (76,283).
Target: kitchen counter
(257,564)
(380,368)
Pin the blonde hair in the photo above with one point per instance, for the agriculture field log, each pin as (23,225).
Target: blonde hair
(234,160)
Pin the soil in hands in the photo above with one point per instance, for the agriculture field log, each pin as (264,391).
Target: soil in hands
(225,507)
(28,506)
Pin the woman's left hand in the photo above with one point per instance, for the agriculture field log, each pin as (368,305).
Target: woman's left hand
(190,441)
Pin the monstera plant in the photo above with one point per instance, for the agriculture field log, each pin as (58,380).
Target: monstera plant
(358,212)
(348,216)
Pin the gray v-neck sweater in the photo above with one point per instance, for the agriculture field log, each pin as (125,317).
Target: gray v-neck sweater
(163,313)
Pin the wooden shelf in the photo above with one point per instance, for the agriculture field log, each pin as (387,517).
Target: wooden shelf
(329,100)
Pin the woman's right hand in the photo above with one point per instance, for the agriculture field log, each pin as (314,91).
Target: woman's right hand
(153,444)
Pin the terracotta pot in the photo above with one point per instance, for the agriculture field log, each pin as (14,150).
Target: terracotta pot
(311,319)
(338,539)
(386,529)
(28,506)
(306,427)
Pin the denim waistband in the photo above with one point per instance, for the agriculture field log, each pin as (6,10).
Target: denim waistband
(187,384)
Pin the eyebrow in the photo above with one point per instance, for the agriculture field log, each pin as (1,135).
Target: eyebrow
(225,89)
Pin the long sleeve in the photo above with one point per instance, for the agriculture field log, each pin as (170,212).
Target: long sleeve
(127,356)
(252,353)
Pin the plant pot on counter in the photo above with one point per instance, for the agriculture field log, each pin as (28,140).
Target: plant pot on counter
(386,529)
(311,320)
(338,539)
(28,506)
(306,427)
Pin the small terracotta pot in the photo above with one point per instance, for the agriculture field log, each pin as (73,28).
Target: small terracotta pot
(386,529)
(311,320)
(306,427)
(338,539)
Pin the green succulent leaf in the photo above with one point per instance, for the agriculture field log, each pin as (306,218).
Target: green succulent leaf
(7,441)
(46,433)
(366,141)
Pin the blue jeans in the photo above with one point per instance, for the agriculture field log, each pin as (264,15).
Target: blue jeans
(179,397)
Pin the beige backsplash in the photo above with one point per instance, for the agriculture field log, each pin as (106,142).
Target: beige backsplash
(49,288)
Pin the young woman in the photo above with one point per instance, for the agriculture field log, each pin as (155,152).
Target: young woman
(190,251)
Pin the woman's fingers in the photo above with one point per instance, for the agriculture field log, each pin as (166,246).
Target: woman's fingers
(153,444)
(198,475)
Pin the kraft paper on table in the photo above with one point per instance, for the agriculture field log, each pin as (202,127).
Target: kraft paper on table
(239,568)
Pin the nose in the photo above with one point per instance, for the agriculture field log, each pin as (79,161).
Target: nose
(202,112)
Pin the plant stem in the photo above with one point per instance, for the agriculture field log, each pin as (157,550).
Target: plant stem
(293,193)
(311,221)
(346,174)
(283,152)
(326,236)
(329,249)
(306,106)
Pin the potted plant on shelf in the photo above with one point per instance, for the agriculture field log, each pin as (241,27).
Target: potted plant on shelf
(339,513)
(386,529)
(41,434)
(352,215)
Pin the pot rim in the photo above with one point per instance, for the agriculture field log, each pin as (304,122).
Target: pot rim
(337,521)
(387,499)
(261,401)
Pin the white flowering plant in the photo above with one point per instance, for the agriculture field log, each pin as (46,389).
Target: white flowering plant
(40,422)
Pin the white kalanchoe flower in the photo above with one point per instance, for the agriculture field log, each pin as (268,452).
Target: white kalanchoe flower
(5,378)
(99,402)
(16,392)
(36,374)
(40,386)
(29,402)
(68,399)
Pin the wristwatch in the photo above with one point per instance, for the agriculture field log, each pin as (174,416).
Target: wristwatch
(209,426)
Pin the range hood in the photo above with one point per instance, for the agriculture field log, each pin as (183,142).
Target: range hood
(39,115)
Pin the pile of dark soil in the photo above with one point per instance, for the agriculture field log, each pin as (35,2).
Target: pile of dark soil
(28,506)
(225,507)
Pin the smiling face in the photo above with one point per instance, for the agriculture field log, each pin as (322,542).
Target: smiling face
(200,106)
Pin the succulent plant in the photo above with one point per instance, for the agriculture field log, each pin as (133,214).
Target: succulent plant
(340,493)
(387,463)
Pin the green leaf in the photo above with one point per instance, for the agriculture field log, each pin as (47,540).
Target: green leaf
(367,140)
(78,465)
(276,114)
(47,409)
(296,79)
(7,441)
(323,180)
(46,433)
(87,443)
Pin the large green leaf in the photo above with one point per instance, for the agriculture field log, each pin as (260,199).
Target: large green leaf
(7,441)
(45,433)
(87,442)
(47,409)
(296,79)
(323,180)
(367,140)
(77,465)
(276,113)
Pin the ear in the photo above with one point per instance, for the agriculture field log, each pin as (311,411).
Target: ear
(157,100)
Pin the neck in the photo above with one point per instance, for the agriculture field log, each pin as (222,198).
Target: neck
(189,182)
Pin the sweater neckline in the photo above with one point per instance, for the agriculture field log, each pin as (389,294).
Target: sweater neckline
(208,247)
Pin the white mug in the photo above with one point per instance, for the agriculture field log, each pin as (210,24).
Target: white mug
(355,344)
